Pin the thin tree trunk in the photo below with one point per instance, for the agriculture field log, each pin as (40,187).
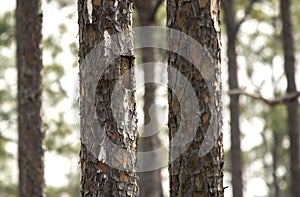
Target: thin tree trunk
(292,106)
(236,161)
(198,169)
(275,165)
(107,102)
(150,183)
(30,66)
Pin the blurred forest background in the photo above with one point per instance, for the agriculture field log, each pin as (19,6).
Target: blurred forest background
(256,140)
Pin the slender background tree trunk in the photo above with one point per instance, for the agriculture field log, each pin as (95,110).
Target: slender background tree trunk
(274,164)
(236,161)
(108,152)
(292,106)
(150,183)
(30,66)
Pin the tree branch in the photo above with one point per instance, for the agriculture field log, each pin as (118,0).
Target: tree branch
(248,9)
(61,89)
(279,100)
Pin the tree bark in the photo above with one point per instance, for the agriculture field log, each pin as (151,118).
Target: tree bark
(236,160)
(150,183)
(107,101)
(30,66)
(276,144)
(193,172)
(292,106)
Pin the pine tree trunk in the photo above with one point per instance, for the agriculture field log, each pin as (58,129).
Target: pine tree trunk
(236,161)
(198,170)
(150,183)
(107,102)
(30,66)
(276,144)
(293,106)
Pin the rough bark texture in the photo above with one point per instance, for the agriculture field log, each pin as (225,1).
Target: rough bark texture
(292,106)
(192,174)
(107,102)
(30,66)
(236,161)
(150,183)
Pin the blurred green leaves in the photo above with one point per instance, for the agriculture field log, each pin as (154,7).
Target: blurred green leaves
(6,29)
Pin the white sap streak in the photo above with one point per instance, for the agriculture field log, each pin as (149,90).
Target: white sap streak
(107,43)
(117,10)
(125,104)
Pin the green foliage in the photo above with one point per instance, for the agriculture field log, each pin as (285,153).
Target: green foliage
(259,46)
(54,93)
(275,119)
(275,124)
(51,44)
(58,129)
(72,189)
(7,104)
(6,29)
(74,49)
(62,3)
(8,190)
(161,15)
(57,133)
